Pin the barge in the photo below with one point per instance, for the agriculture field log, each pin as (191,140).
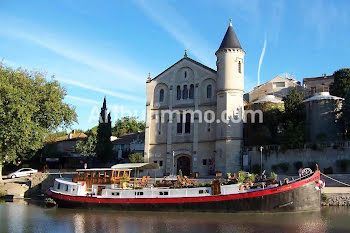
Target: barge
(115,189)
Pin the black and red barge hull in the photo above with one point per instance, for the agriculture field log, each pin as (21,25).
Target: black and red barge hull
(298,196)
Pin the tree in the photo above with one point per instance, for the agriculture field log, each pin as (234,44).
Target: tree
(86,147)
(345,115)
(30,108)
(294,119)
(104,132)
(136,158)
(128,125)
(341,84)
(92,131)
(51,137)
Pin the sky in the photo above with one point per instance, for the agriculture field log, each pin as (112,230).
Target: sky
(107,48)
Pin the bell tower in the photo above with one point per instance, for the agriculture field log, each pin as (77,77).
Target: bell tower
(230,90)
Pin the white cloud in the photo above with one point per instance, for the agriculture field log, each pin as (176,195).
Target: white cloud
(261,60)
(101,90)
(176,25)
(80,99)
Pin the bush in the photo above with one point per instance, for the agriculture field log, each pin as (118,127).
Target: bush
(312,165)
(241,176)
(298,165)
(136,158)
(256,168)
(273,176)
(2,193)
(343,164)
(324,197)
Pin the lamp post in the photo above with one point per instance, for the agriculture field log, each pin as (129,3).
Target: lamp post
(172,170)
(261,149)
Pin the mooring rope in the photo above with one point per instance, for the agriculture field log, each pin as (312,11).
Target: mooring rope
(340,182)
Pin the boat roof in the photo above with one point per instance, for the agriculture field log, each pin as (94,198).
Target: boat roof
(101,169)
(141,166)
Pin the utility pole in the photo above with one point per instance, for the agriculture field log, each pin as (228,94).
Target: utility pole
(261,149)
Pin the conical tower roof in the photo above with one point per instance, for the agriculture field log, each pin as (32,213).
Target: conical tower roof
(230,40)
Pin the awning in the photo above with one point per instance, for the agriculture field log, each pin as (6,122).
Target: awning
(140,166)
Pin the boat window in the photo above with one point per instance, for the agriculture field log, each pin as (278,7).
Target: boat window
(201,191)
(165,193)
(161,193)
(73,189)
(102,174)
(108,174)
(121,173)
(58,185)
(115,194)
(139,193)
(66,187)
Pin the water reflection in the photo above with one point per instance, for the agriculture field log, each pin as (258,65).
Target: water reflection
(30,218)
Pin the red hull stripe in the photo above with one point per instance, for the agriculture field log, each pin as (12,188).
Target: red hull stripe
(280,189)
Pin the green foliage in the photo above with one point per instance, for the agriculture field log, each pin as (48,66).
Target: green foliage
(345,115)
(136,158)
(293,135)
(127,125)
(298,165)
(92,131)
(86,147)
(2,193)
(268,131)
(256,168)
(324,197)
(312,165)
(343,164)
(273,176)
(341,84)
(180,174)
(241,176)
(104,132)
(252,177)
(34,107)
(51,137)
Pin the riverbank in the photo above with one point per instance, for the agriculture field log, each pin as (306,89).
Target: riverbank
(336,196)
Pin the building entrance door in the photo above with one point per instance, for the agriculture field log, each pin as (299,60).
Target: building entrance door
(184,163)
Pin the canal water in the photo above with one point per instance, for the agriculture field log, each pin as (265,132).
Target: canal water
(24,217)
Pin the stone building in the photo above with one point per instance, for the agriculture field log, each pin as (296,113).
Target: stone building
(317,84)
(185,140)
(322,117)
(278,87)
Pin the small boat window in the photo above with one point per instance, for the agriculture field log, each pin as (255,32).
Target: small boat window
(166,193)
(201,191)
(58,185)
(139,193)
(161,193)
(66,187)
(115,194)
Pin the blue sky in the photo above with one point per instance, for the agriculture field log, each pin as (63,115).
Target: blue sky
(106,48)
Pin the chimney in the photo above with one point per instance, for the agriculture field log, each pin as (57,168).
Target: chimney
(324,75)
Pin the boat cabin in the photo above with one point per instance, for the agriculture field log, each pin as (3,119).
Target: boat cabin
(101,176)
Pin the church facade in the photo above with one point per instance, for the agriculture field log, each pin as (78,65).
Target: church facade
(193,114)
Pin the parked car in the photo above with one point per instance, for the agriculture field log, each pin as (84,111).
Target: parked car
(22,172)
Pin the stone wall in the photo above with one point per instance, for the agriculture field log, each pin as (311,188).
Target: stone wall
(336,199)
(326,156)
(41,182)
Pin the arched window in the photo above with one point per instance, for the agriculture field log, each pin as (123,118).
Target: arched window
(188,123)
(178,93)
(191,91)
(179,124)
(161,95)
(185,74)
(239,67)
(185,93)
(209,91)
